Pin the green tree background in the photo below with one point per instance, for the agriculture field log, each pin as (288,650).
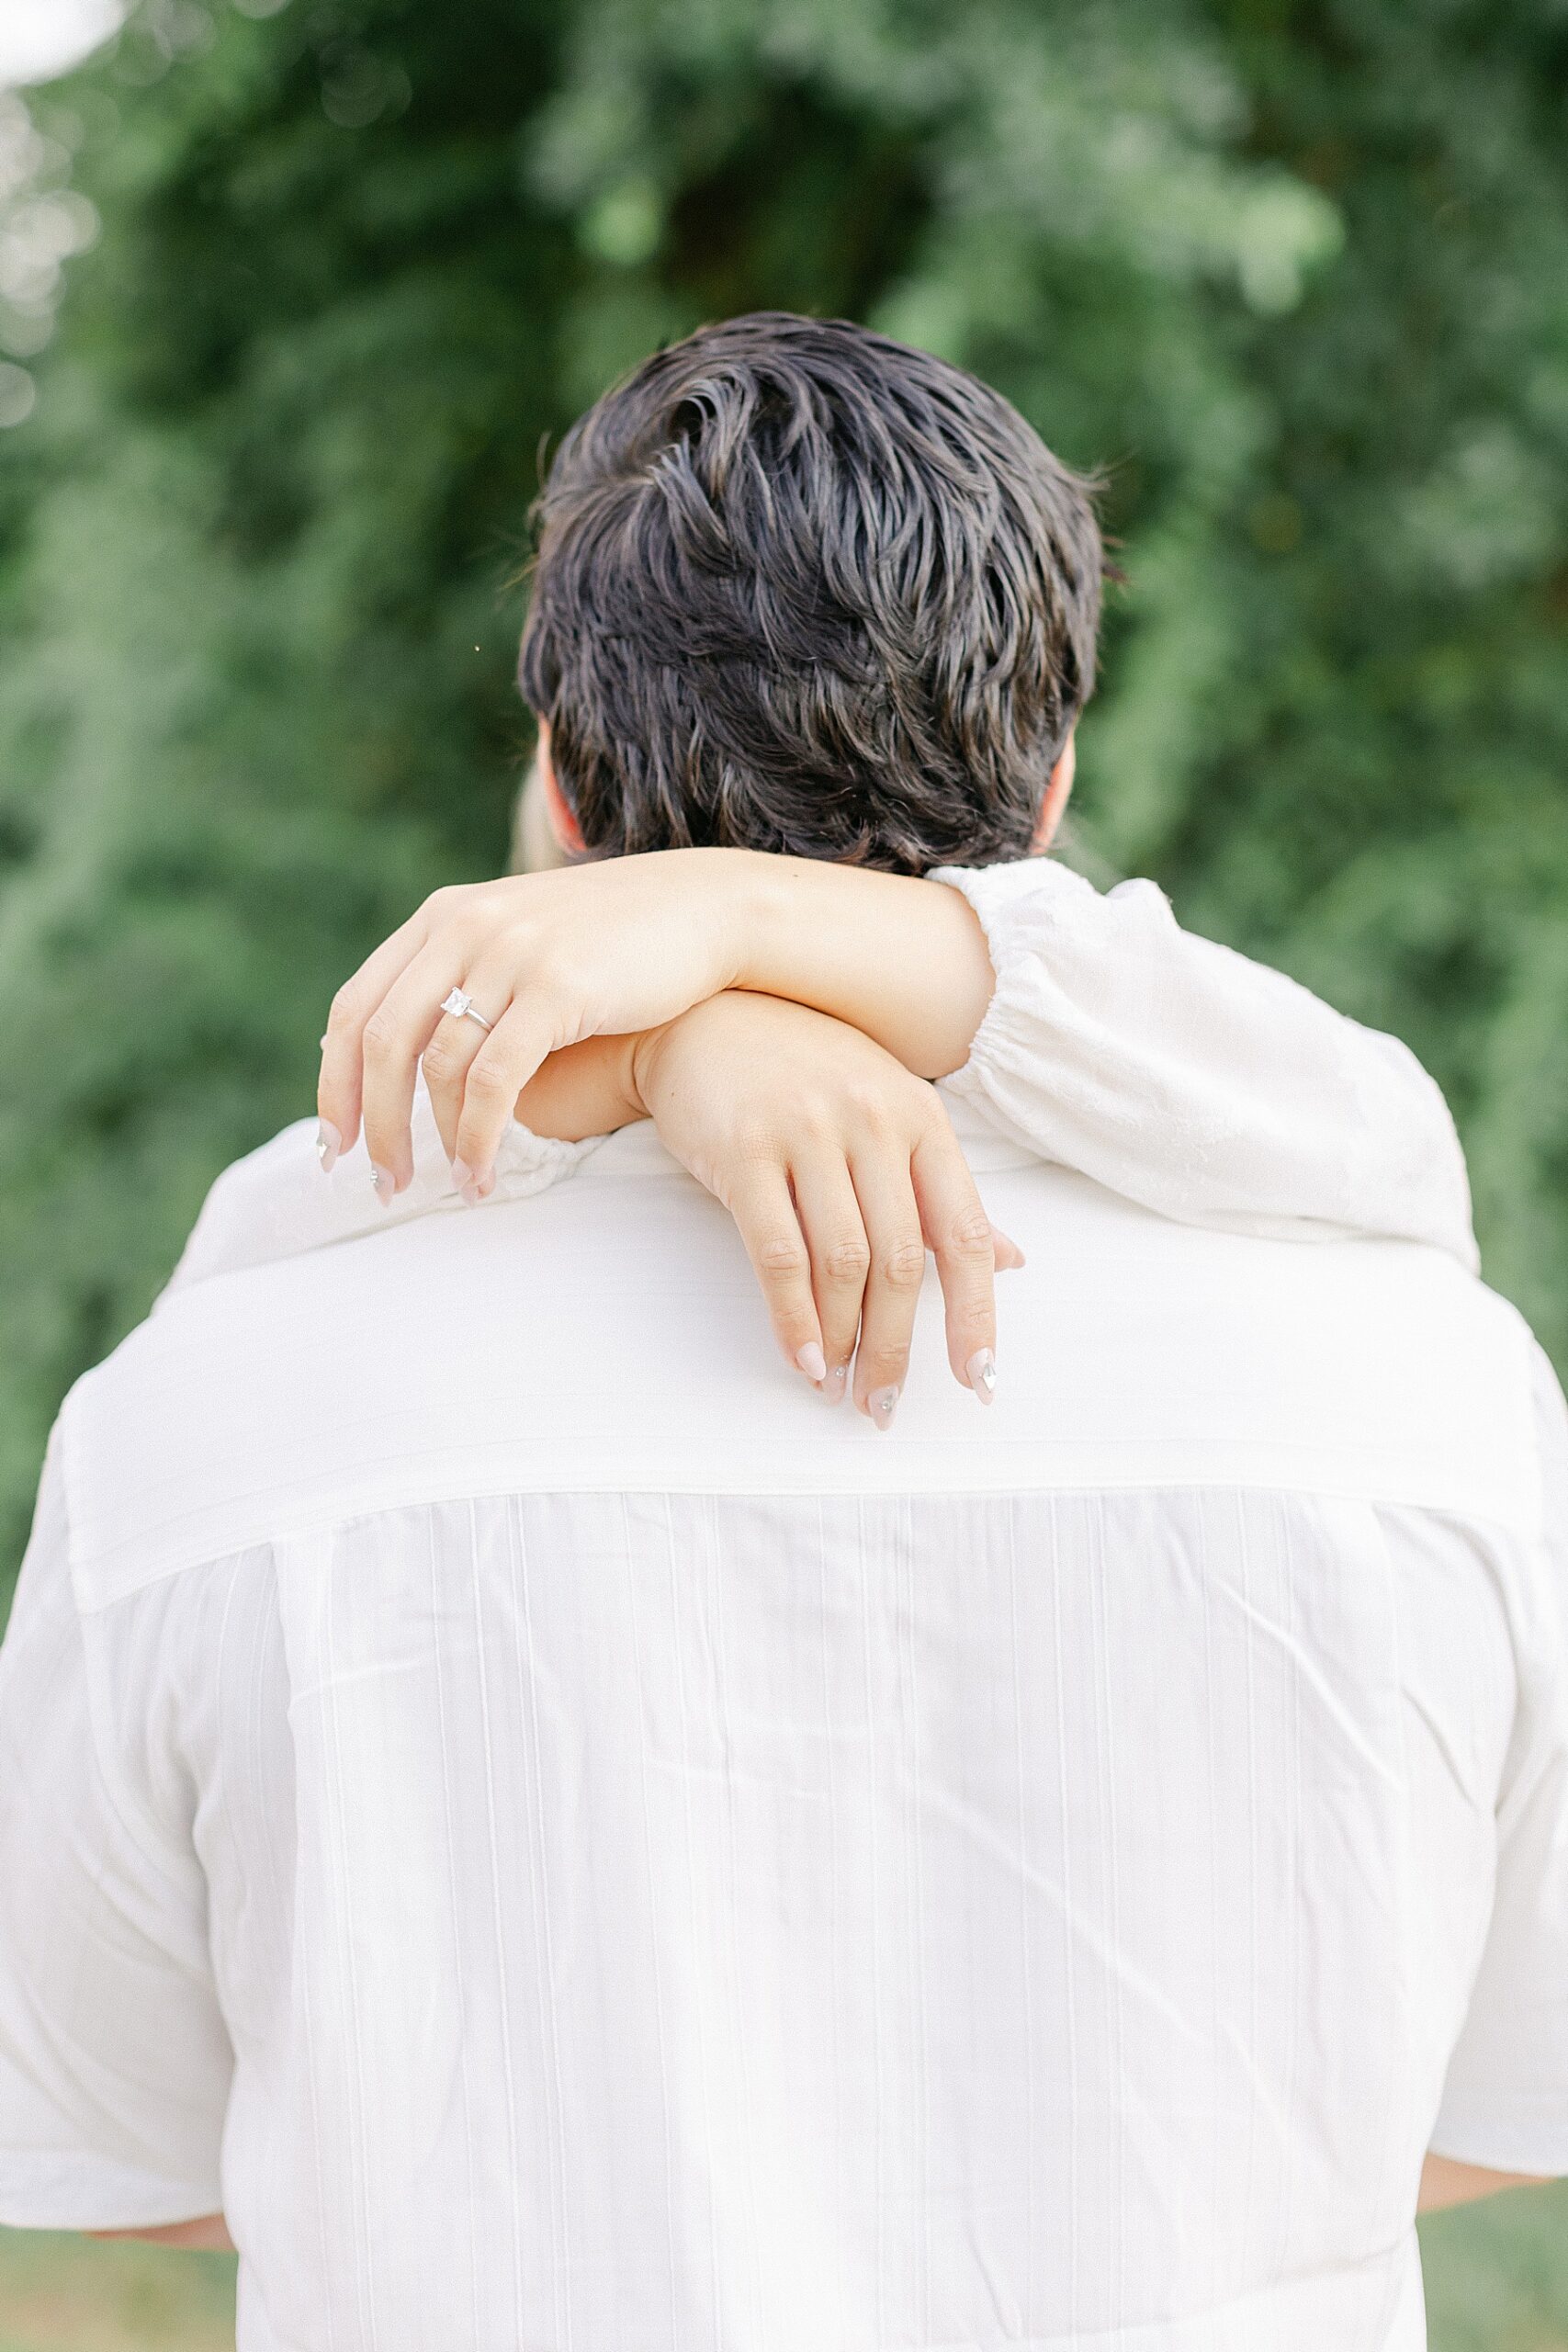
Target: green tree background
(1294,271)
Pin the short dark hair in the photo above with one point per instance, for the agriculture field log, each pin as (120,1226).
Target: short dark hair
(802,588)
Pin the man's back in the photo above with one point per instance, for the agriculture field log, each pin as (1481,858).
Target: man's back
(677,1867)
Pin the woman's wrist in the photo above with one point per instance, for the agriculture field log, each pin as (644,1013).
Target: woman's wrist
(585,1090)
(902,960)
(643,1063)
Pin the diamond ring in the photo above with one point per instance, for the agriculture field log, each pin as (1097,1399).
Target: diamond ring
(462,1008)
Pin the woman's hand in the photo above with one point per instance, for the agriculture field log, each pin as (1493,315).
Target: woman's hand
(548,959)
(841,1169)
(611,992)
(592,950)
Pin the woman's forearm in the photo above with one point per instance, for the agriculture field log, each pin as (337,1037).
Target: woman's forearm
(1088,1026)
(1445,2182)
(210,2235)
(586,1090)
(903,960)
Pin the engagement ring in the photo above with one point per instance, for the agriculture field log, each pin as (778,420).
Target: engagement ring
(461,1008)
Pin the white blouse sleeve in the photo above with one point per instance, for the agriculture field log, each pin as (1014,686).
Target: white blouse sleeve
(1183,1076)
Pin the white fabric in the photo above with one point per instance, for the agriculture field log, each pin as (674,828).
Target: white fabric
(569,1843)
(1208,1087)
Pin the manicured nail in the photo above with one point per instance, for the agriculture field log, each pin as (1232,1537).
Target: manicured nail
(322,1043)
(462,1177)
(836,1387)
(1005,1251)
(381,1185)
(812,1361)
(884,1403)
(329,1143)
(980,1372)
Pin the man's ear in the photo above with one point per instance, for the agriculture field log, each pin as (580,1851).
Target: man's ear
(1053,807)
(563,820)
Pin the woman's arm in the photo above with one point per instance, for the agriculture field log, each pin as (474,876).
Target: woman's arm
(1446,2182)
(1089,1024)
(622,946)
(210,2235)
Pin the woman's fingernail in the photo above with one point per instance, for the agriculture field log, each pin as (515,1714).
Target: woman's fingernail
(381,1185)
(836,1387)
(883,1404)
(469,1192)
(981,1373)
(812,1361)
(322,1044)
(329,1143)
(1005,1251)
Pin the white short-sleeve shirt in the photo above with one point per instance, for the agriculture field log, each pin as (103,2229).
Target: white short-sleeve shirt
(569,1842)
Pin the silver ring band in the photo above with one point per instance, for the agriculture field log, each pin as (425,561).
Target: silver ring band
(461,1008)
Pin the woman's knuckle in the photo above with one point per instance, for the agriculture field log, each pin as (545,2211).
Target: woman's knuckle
(513,947)
(813,1125)
(380,1036)
(847,1260)
(756,1146)
(904,1264)
(440,1064)
(969,1235)
(557,972)
(873,1113)
(781,1254)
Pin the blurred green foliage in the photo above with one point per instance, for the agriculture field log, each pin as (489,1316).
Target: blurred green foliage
(1496,2278)
(61,2294)
(1496,2273)
(1294,271)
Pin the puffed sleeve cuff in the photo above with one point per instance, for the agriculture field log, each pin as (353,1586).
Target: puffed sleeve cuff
(1190,1078)
(1019,907)
(526,1163)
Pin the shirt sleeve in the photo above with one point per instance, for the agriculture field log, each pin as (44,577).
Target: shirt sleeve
(115,2064)
(1183,1076)
(1505,2102)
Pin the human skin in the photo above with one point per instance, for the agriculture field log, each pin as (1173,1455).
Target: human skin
(591,968)
(210,2235)
(1445,2183)
(598,967)
(839,1168)
(623,944)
